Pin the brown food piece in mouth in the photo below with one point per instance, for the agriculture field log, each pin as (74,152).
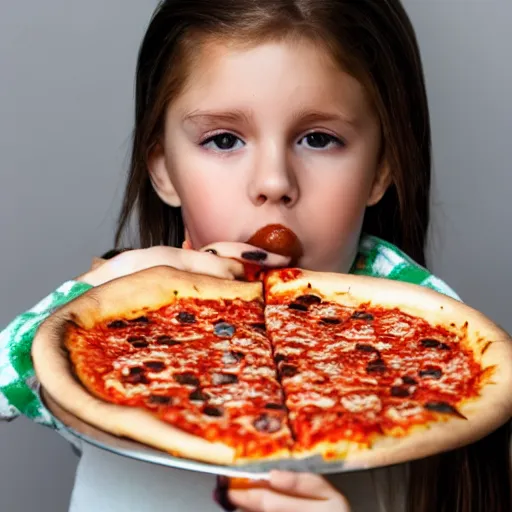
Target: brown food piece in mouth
(278,240)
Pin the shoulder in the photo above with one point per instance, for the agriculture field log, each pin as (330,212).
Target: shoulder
(378,258)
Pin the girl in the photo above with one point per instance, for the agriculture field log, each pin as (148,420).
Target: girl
(308,113)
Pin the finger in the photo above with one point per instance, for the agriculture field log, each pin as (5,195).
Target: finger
(186,245)
(268,500)
(302,484)
(206,263)
(195,262)
(246,252)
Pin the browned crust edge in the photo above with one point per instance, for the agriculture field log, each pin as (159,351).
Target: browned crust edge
(154,288)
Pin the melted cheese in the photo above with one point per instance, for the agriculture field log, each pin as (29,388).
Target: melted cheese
(403,412)
(329,368)
(360,403)
(364,332)
(243,342)
(259,371)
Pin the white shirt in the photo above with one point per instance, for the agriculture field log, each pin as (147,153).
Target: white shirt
(106,482)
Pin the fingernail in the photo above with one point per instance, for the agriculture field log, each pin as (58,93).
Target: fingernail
(220,494)
(212,251)
(255,255)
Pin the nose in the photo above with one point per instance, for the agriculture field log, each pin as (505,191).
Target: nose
(273,179)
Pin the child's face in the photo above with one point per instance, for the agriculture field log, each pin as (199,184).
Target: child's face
(273,134)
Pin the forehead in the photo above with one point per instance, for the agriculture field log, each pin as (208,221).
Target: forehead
(288,74)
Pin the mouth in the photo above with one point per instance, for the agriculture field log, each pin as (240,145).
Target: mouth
(278,239)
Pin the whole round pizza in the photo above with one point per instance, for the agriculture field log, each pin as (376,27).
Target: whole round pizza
(365,370)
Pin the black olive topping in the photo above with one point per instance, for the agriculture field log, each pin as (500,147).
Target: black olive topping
(198,396)
(159,400)
(308,300)
(214,412)
(187,379)
(364,347)
(330,321)
(378,365)
(431,343)
(167,340)
(288,370)
(140,320)
(155,366)
(274,407)
(224,330)
(399,391)
(136,376)
(434,373)
(443,408)
(138,342)
(298,307)
(117,324)
(186,318)
(362,315)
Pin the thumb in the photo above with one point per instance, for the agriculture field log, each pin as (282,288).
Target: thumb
(303,485)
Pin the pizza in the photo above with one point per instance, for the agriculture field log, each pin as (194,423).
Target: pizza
(365,370)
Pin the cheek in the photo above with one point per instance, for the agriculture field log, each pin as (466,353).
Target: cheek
(334,216)
(340,202)
(211,199)
(338,224)
(207,209)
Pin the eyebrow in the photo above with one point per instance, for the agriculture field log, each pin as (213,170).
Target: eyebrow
(237,115)
(308,115)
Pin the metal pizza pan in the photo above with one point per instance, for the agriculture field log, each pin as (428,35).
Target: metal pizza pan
(69,426)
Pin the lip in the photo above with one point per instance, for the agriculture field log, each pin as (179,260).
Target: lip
(278,239)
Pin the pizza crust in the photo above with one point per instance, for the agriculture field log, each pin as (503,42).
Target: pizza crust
(131,295)
(153,288)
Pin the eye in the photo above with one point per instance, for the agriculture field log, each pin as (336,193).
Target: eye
(223,142)
(320,140)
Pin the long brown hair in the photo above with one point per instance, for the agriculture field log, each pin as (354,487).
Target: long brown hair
(375,42)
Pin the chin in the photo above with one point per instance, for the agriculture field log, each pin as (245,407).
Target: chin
(338,267)
(317,266)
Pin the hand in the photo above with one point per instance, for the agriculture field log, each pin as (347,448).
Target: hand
(291,492)
(222,260)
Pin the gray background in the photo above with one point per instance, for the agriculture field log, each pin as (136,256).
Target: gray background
(66,89)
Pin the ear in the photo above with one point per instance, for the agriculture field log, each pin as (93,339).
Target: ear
(161,177)
(381,183)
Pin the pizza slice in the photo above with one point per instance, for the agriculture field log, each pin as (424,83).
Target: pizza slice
(174,360)
(379,372)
